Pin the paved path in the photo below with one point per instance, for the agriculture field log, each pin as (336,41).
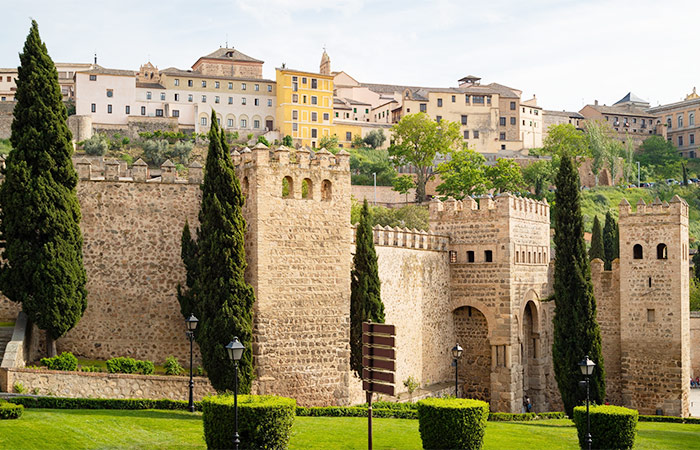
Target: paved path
(694,402)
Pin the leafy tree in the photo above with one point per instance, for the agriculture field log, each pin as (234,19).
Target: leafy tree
(375,138)
(657,151)
(597,136)
(358,142)
(330,143)
(97,144)
(215,265)
(188,253)
(463,175)
(42,261)
(685,174)
(409,216)
(538,176)
(576,331)
(403,184)
(366,161)
(694,294)
(564,140)
(417,140)
(596,250)
(611,241)
(365,297)
(263,140)
(505,176)
(287,141)
(613,151)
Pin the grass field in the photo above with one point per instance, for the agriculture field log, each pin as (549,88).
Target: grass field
(89,429)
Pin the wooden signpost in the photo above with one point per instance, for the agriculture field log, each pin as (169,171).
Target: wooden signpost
(378,364)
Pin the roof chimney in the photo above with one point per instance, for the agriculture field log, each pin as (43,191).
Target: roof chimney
(95,58)
(596,102)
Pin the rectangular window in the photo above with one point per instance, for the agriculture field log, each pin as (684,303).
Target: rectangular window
(314,117)
(162,96)
(176,82)
(454,98)
(453,257)
(303,80)
(229,123)
(512,106)
(257,87)
(269,88)
(438,119)
(314,133)
(203,121)
(466,99)
(680,121)
(502,121)
(466,134)
(243,86)
(256,124)
(470,256)
(244,123)
(243,101)
(216,84)
(680,141)
(691,119)
(423,107)
(651,315)
(190,97)
(512,120)
(143,110)
(295,86)
(204,83)
(464,119)
(256,102)
(148,95)
(92,78)
(366,110)
(190,83)
(217,99)
(295,127)
(439,102)
(110,93)
(476,134)
(230,100)
(478,99)
(295,79)
(314,100)
(314,83)
(177,97)
(109,109)
(348,136)
(295,98)
(691,139)
(159,113)
(176,113)
(488,256)
(230,86)
(303,99)
(326,117)
(295,114)
(502,136)
(127,109)
(204,98)
(269,102)
(93,107)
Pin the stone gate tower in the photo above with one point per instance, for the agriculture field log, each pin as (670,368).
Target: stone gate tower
(298,247)
(654,307)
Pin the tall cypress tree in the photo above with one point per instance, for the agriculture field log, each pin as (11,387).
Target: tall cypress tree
(596,250)
(576,331)
(217,291)
(365,297)
(42,263)
(611,240)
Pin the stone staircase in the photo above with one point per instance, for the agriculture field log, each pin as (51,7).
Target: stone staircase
(5,337)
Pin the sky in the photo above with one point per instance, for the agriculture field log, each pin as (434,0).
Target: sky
(567,53)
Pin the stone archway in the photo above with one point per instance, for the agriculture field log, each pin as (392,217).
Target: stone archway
(531,359)
(472,334)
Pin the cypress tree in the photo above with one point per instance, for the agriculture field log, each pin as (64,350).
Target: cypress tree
(365,297)
(611,242)
(576,331)
(42,265)
(596,250)
(217,291)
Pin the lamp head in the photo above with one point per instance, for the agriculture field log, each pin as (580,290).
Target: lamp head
(586,366)
(457,351)
(235,349)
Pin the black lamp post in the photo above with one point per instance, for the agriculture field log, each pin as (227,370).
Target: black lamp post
(235,352)
(587,366)
(456,354)
(191,326)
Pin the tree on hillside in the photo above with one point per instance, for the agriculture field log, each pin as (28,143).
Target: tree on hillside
(375,138)
(597,143)
(215,264)
(596,250)
(330,143)
(576,331)
(42,264)
(403,184)
(657,151)
(505,176)
(611,241)
(417,140)
(565,140)
(366,161)
(538,176)
(365,289)
(463,175)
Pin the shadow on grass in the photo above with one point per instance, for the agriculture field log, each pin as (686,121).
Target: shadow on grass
(132,413)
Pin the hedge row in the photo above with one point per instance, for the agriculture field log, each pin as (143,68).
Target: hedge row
(357,411)
(10,411)
(525,417)
(613,427)
(452,423)
(672,419)
(100,403)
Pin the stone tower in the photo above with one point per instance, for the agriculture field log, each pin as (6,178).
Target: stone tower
(325,68)
(654,307)
(499,265)
(298,247)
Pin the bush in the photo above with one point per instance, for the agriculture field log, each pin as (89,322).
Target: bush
(155,151)
(96,145)
(181,150)
(265,421)
(10,411)
(446,423)
(671,419)
(172,366)
(129,365)
(612,427)
(64,361)
(19,388)
(101,403)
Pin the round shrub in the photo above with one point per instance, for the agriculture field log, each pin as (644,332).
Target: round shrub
(264,421)
(10,411)
(446,423)
(612,427)
(64,361)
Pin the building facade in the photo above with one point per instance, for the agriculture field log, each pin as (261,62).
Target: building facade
(682,126)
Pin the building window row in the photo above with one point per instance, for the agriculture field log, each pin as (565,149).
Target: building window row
(471,256)
(525,254)
(217,85)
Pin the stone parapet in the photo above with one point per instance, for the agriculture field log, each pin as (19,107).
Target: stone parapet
(284,157)
(137,173)
(405,238)
(506,205)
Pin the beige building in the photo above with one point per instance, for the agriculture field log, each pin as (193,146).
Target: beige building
(682,127)
(531,126)
(66,79)
(551,118)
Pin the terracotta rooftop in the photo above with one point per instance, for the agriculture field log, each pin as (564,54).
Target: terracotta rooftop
(230,54)
(99,70)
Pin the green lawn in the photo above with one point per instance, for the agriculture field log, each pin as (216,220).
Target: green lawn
(79,429)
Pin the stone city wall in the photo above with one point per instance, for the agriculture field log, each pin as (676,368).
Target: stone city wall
(107,385)
(385,195)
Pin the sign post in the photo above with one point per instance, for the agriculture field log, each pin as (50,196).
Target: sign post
(378,364)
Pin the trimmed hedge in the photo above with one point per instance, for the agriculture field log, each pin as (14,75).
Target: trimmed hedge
(357,411)
(129,365)
(64,361)
(612,427)
(671,419)
(10,411)
(264,421)
(452,423)
(100,403)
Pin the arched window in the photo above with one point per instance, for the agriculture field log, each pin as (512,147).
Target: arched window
(637,252)
(287,187)
(661,251)
(326,190)
(306,189)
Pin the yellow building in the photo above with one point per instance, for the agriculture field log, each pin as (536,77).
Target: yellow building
(304,105)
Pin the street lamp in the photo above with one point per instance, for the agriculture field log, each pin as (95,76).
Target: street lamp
(235,352)
(191,326)
(587,366)
(456,354)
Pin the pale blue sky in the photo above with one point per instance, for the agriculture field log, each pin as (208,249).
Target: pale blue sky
(566,52)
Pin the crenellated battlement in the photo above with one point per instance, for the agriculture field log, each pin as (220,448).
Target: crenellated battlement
(137,173)
(407,238)
(503,205)
(283,157)
(657,207)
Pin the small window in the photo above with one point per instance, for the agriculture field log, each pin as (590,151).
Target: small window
(229,123)
(512,106)
(257,87)
(453,257)
(466,134)
(306,189)
(190,97)
(230,100)
(143,110)
(476,134)
(204,83)
(110,93)
(314,133)
(244,123)
(243,101)
(637,252)
(439,102)
(314,100)
(243,86)
(314,117)
(287,187)
(649,281)
(348,136)
(256,102)
(502,121)
(216,84)
(217,99)
(269,102)
(109,109)
(176,113)
(92,78)
(661,251)
(326,117)
(93,107)
(190,83)
(269,88)
(470,256)
(162,96)
(423,107)
(651,315)
(454,98)
(148,95)
(488,256)
(295,114)
(326,190)
(314,83)
(203,121)
(159,113)
(256,124)
(204,98)
(464,119)
(512,120)
(295,98)
(176,97)
(230,85)
(438,119)
(127,109)
(176,82)
(502,136)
